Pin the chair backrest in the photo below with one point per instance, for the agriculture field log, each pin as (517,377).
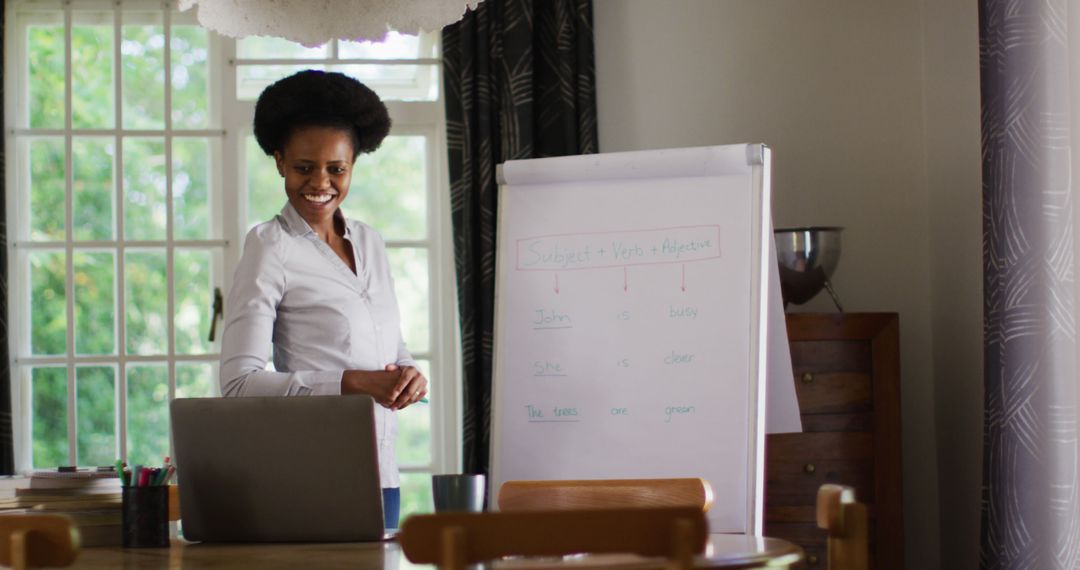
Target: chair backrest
(847,526)
(454,540)
(37,540)
(605,494)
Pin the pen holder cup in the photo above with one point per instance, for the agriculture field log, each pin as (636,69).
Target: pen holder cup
(146,516)
(462,493)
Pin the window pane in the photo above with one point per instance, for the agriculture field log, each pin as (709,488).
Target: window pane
(45,44)
(95,404)
(144,189)
(48,389)
(394,46)
(252,79)
(47,189)
(190,78)
(194,300)
(48,303)
(148,413)
(414,428)
(262,47)
(265,190)
(392,179)
(142,55)
(92,188)
(196,380)
(92,71)
(145,292)
(191,188)
(409,266)
(397,82)
(95,302)
(415,494)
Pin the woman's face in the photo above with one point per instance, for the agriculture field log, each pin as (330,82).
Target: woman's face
(317,166)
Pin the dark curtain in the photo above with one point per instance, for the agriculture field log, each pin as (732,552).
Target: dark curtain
(7,447)
(1030,507)
(520,83)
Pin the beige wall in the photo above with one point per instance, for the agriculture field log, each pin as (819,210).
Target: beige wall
(953,164)
(871,110)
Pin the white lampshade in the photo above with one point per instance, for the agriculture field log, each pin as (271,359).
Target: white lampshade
(314,22)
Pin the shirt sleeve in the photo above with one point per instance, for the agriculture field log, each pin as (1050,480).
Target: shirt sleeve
(404,357)
(250,312)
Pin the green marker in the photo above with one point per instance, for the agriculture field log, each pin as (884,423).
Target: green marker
(120,472)
(423,400)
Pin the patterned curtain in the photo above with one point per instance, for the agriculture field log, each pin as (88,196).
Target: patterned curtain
(520,80)
(1030,507)
(7,447)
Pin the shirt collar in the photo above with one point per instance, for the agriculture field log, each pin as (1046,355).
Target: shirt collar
(299,226)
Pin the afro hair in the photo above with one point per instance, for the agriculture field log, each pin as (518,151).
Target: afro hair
(314,98)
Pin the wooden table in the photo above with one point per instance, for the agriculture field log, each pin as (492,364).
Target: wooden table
(724,551)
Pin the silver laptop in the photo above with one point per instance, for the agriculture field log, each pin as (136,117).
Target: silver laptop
(278,469)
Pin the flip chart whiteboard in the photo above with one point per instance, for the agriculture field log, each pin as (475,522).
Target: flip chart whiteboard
(631,321)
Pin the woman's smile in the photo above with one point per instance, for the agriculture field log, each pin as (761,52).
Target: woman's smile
(319,198)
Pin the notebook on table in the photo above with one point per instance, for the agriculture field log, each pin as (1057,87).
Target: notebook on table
(278,469)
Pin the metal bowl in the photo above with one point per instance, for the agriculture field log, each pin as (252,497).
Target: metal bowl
(808,257)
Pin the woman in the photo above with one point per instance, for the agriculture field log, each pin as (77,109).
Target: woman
(314,284)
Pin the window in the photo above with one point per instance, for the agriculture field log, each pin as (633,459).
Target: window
(129,129)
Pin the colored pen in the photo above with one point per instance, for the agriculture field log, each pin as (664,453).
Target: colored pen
(168,474)
(423,400)
(160,479)
(120,471)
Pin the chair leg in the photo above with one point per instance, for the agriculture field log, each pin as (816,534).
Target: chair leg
(18,550)
(453,549)
(850,550)
(682,548)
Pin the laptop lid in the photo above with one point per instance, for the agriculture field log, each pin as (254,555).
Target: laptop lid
(278,469)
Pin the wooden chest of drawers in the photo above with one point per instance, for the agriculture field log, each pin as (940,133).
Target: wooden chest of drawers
(847,376)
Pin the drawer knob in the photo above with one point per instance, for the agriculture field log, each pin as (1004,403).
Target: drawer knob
(807,378)
(812,560)
(809,468)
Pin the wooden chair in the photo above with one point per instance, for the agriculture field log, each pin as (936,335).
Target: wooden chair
(454,540)
(28,540)
(847,526)
(605,493)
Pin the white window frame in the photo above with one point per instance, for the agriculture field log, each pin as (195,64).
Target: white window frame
(230,119)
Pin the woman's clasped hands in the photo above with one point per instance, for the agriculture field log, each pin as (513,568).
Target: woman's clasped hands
(395,387)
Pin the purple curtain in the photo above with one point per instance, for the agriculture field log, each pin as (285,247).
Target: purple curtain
(1030,507)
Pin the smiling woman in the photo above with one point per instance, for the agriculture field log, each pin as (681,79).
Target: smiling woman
(313,283)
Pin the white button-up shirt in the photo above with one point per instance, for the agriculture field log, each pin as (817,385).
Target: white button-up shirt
(291,289)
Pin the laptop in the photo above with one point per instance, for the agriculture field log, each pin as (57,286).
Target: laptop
(279,469)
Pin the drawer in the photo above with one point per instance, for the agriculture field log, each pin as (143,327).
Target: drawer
(837,422)
(815,557)
(808,536)
(796,465)
(813,542)
(819,446)
(831,356)
(833,392)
